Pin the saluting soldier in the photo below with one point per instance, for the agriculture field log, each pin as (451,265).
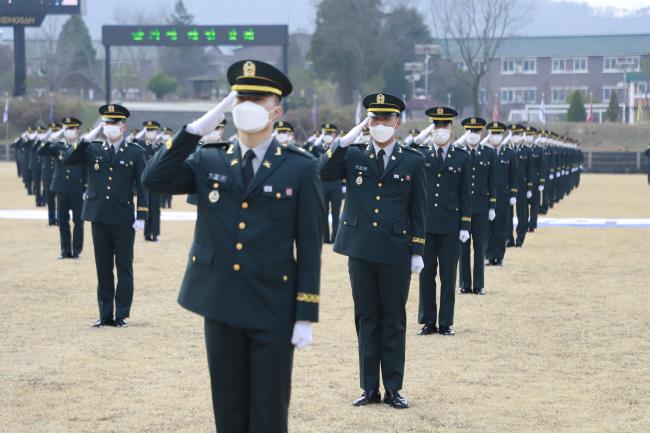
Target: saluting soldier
(166,134)
(332,190)
(256,200)
(114,168)
(448,222)
(283,132)
(151,146)
(37,167)
(483,197)
(383,236)
(17,146)
(48,164)
(647,160)
(68,183)
(26,170)
(538,168)
(506,193)
(524,181)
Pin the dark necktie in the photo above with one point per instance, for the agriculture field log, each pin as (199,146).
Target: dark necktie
(247,167)
(473,155)
(380,160)
(441,157)
(111,151)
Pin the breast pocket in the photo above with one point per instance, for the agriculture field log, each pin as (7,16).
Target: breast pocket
(211,191)
(280,200)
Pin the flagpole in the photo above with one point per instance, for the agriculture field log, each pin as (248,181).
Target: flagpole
(7,122)
(591,115)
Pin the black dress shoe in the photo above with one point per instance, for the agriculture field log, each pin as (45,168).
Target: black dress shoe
(510,243)
(368,397)
(428,329)
(395,400)
(465,291)
(103,322)
(480,291)
(121,322)
(498,263)
(531,230)
(446,330)
(75,256)
(65,256)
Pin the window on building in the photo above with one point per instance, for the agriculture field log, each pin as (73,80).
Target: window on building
(560,95)
(519,95)
(607,92)
(622,64)
(518,66)
(580,65)
(559,65)
(508,66)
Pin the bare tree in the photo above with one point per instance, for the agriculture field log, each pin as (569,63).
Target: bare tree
(473,31)
(47,36)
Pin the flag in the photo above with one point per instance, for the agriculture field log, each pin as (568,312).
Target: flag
(495,111)
(590,114)
(50,117)
(639,109)
(357,114)
(5,113)
(542,112)
(314,112)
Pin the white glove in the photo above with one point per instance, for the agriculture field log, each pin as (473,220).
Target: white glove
(513,201)
(463,236)
(209,121)
(302,336)
(492,214)
(550,176)
(417,264)
(424,134)
(138,225)
(94,133)
(540,188)
(56,136)
(344,189)
(352,134)
(557,174)
(529,194)
(140,134)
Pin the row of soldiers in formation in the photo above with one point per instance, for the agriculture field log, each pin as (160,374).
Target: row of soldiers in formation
(253,270)
(38,153)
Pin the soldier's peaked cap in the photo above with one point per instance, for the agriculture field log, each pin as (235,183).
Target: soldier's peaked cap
(113,112)
(383,103)
(474,123)
(253,77)
(496,127)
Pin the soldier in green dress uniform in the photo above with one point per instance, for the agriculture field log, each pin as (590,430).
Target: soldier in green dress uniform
(254,267)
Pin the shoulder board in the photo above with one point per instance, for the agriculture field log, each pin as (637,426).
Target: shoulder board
(410,149)
(134,144)
(359,144)
(461,149)
(299,150)
(219,145)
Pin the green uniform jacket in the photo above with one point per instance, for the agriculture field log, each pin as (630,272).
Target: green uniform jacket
(538,163)
(68,179)
(384,216)
(506,174)
(524,168)
(109,197)
(483,183)
(242,270)
(448,190)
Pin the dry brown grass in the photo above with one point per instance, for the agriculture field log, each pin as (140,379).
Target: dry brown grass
(559,345)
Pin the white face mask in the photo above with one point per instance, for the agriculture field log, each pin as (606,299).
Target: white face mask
(496,139)
(282,137)
(473,138)
(70,134)
(517,139)
(328,139)
(529,139)
(382,133)
(113,132)
(151,135)
(441,136)
(250,117)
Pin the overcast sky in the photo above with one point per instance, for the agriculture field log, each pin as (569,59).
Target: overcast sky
(550,17)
